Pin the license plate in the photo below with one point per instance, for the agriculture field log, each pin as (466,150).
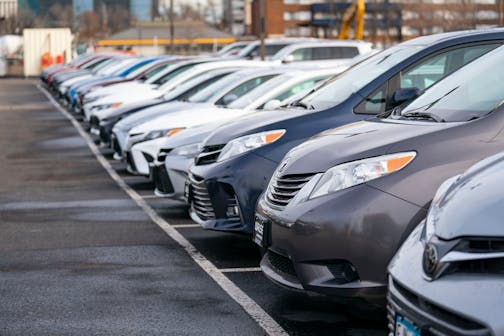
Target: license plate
(95,131)
(261,231)
(404,327)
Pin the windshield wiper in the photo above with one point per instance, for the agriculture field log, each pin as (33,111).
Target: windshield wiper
(395,111)
(303,105)
(422,116)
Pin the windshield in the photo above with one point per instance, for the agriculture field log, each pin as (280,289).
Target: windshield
(124,66)
(104,65)
(195,85)
(259,91)
(172,74)
(467,94)
(207,93)
(139,70)
(356,77)
(113,68)
(157,72)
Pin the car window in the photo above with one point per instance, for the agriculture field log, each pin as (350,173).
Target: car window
(302,54)
(299,87)
(339,88)
(149,75)
(374,103)
(326,53)
(468,94)
(170,75)
(432,69)
(422,75)
(197,88)
(272,49)
(242,89)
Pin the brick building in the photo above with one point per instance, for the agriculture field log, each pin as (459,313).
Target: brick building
(385,21)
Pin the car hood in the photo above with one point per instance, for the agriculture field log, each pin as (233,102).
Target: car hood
(151,113)
(354,141)
(118,88)
(188,118)
(130,108)
(253,123)
(128,96)
(481,188)
(192,134)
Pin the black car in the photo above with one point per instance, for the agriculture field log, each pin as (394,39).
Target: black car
(238,159)
(339,205)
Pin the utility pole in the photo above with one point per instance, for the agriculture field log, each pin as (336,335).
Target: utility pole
(262,22)
(501,12)
(172,29)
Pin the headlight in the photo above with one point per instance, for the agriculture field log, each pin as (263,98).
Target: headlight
(434,210)
(353,173)
(161,133)
(106,106)
(88,100)
(246,143)
(188,150)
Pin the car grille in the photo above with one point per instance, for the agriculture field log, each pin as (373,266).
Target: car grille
(283,188)
(200,198)
(343,272)
(161,179)
(209,154)
(130,161)
(281,263)
(115,145)
(453,324)
(94,122)
(163,153)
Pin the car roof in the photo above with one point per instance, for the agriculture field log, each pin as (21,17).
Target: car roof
(436,38)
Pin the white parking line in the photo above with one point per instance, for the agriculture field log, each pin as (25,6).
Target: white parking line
(185,226)
(149,196)
(240,269)
(270,326)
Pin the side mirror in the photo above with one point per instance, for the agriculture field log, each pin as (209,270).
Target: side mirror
(272,104)
(229,98)
(402,96)
(288,59)
(254,55)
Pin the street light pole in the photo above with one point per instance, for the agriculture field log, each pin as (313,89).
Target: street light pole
(501,12)
(172,29)
(262,28)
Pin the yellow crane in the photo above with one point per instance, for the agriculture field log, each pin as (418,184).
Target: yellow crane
(353,13)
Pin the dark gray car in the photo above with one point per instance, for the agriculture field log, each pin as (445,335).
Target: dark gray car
(339,206)
(447,277)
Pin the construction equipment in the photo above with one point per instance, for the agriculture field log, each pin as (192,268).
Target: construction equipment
(353,13)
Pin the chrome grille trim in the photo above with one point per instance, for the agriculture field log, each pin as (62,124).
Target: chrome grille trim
(283,188)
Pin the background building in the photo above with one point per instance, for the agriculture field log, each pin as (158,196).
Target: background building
(237,16)
(385,21)
(8,8)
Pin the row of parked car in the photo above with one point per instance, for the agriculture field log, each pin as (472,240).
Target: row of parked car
(370,177)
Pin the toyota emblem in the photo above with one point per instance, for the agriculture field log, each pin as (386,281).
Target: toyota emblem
(430,260)
(283,165)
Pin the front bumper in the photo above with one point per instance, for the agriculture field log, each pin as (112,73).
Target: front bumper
(454,304)
(170,176)
(223,195)
(339,244)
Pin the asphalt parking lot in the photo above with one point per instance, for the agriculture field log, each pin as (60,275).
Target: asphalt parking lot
(80,257)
